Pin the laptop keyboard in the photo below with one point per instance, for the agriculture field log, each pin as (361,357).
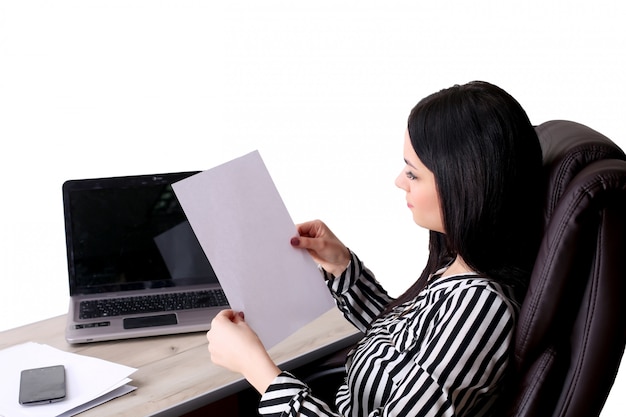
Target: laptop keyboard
(91,309)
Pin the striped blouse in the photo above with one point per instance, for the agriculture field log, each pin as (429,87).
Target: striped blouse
(444,353)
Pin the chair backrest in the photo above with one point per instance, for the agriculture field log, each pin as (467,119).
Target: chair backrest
(572,326)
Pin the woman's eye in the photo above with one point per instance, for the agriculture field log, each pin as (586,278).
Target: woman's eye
(410,175)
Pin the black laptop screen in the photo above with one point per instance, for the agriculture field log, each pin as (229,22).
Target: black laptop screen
(130,233)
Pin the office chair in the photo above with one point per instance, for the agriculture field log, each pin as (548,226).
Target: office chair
(571,330)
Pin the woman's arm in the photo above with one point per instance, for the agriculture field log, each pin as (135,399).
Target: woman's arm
(358,295)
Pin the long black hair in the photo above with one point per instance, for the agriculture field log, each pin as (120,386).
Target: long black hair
(487,163)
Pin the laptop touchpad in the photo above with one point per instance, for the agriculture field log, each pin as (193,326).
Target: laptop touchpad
(150,321)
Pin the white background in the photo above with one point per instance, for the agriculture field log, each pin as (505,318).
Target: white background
(321,88)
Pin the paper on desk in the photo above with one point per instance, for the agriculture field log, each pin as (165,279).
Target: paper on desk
(87,379)
(123,389)
(245,230)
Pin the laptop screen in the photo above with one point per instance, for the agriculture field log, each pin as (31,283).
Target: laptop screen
(130,233)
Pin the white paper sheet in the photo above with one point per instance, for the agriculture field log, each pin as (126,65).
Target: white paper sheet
(245,230)
(123,389)
(87,379)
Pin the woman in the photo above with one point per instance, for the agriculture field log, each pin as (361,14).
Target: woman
(472,177)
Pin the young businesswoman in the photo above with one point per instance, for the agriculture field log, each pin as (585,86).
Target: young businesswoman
(472,177)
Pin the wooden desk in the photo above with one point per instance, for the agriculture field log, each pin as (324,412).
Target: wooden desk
(174,373)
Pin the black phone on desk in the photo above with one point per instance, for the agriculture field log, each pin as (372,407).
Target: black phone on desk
(42,385)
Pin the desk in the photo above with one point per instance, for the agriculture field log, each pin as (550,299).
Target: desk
(174,373)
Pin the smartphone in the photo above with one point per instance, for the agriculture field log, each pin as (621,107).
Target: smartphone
(42,385)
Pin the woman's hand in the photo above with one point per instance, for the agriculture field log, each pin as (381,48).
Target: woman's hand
(323,245)
(235,346)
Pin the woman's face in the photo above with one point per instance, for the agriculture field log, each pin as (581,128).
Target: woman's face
(421,192)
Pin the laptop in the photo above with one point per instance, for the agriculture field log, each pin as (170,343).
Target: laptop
(135,266)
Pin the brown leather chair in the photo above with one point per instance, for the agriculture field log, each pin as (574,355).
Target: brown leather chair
(571,331)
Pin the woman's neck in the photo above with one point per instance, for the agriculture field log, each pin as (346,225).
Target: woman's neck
(457,267)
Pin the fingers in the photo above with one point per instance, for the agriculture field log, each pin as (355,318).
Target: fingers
(222,319)
(228,315)
(310,236)
(325,248)
(315,228)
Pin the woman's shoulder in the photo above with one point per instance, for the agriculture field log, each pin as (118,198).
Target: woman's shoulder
(472,285)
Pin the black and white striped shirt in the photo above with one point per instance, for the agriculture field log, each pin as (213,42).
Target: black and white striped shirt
(444,353)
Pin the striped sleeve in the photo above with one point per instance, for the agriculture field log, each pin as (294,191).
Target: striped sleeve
(288,396)
(358,295)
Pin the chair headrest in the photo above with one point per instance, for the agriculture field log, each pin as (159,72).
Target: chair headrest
(568,147)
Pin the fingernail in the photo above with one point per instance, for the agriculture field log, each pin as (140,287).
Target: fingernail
(295,241)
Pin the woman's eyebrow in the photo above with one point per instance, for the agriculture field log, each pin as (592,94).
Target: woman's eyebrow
(409,164)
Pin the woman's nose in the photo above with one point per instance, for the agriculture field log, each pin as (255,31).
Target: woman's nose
(399,182)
